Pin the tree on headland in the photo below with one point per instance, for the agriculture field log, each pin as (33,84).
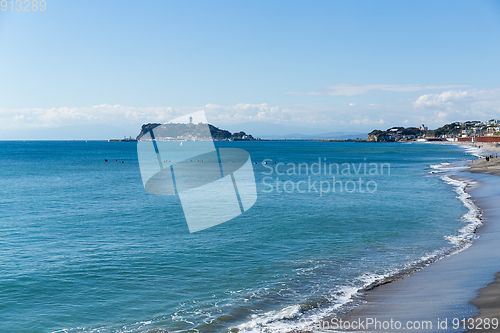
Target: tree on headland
(394,133)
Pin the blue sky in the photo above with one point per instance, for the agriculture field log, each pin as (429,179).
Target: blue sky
(330,65)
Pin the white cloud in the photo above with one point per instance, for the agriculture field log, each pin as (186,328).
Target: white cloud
(445,99)
(459,105)
(367,121)
(432,109)
(118,115)
(98,114)
(345,89)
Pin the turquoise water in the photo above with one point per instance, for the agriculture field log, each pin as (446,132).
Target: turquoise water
(84,248)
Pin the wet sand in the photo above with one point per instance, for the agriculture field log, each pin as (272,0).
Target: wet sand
(488,303)
(491,167)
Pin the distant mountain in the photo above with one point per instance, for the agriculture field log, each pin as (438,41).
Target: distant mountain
(269,131)
(265,130)
(321,136)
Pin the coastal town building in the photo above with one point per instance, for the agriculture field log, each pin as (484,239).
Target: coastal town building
(479,131)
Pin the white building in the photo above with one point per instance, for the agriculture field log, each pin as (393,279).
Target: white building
(423,128)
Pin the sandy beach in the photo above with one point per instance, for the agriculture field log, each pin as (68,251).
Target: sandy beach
(488,302)
(490,150)
(491,166)
(485,146)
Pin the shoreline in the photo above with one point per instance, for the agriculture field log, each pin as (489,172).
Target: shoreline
(484,146)
(428,291)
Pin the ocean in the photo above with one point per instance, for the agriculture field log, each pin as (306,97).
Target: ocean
(84,248)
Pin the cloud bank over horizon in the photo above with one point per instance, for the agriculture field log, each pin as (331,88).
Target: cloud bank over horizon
(432,109)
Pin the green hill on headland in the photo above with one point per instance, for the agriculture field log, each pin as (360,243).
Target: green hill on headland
(196,130)
(448,131)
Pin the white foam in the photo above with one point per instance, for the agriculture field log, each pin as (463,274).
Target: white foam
(473,217)
(471,150)
(292,317)
(271,321)
(442,167)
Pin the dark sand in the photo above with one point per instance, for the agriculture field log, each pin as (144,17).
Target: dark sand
(491,167)
(488,303)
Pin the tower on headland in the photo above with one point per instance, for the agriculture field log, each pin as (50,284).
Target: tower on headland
(423,128)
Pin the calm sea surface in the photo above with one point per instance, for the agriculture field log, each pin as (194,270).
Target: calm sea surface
(84,248)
